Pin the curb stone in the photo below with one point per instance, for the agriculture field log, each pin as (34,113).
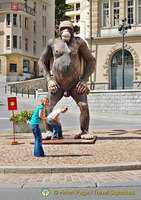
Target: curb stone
(70,168)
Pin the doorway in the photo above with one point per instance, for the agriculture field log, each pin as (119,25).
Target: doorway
(116,71)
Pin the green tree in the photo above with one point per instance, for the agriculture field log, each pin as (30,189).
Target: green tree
(60,10)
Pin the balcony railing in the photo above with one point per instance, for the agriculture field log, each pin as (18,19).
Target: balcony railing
(72,9)
(23,7)
(69,9)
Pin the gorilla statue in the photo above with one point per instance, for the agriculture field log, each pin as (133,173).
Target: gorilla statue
(68,78)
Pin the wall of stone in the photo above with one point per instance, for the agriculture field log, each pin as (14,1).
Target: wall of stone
(30,85)
(116,101)
(111,101)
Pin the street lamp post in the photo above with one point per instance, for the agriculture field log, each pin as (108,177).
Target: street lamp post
(123,30)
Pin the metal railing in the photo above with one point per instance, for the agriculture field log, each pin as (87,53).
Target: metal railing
(21,6)
(22,91)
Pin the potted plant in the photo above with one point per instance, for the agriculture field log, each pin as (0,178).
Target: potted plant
(21,121)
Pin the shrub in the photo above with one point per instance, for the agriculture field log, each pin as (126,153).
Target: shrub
(24,116)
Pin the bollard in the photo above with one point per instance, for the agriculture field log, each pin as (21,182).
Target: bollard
(22,92)
(11,90)
(16,91)
(28,93)
(34,94)
(5,89)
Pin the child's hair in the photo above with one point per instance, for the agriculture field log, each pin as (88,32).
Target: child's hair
(44,99)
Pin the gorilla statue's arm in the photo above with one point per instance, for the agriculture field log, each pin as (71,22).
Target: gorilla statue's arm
(90,61)
(45,57)
(88,68)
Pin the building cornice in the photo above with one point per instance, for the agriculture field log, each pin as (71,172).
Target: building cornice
(7,54)
(115,36)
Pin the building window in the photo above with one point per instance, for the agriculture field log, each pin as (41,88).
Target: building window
(43,7)
(20,42)
(34,27)
(44,21)
(0,66)
(139,6)
(26,67)
(77,18)
(13,67)
(130,11)
(20,21)
(25,4)
(105,14)
(34,47)
(26,44)
(78,6)
(8,19)
(43,41)
(116,13)
(8,41)
(34,6)
(14,41)
(26,23)
(14,19)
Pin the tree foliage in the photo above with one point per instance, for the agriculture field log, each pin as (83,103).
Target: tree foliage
(60,10)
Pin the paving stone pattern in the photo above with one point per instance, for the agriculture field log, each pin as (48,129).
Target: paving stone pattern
(61,178)
(113,146)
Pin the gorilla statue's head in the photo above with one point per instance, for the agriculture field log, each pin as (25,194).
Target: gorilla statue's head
(66,31)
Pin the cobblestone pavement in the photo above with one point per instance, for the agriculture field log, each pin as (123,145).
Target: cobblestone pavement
(111,146)
(62,178)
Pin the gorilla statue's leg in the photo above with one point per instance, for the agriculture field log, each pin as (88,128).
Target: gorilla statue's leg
(54,98)
(84,116)
(81,100)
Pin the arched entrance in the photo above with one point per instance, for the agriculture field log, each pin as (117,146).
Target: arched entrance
(116,70)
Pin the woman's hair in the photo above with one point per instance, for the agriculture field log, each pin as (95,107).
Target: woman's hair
(65,107)
(44,99)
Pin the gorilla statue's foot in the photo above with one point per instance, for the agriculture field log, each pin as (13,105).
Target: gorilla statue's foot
(84,135)
(47,136)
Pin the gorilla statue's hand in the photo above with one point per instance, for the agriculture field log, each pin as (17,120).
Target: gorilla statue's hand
(52,86)
(81,87)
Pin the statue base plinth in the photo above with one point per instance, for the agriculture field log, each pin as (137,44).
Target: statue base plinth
(69,141)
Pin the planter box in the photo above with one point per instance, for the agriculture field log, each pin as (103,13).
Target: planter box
(24,128)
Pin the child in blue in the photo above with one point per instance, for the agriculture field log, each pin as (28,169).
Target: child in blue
(53,121)
(34,125)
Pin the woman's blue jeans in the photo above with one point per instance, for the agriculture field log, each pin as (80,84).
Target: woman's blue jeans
(38,149)
(56,128)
